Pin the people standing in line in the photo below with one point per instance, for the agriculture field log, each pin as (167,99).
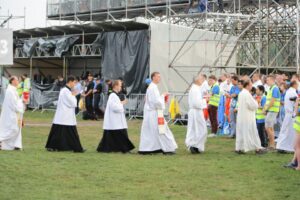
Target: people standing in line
(213,104)
(78,89)
(97,97)
(233,95)
(63,135)
(88,94)
(271,110)
(256,79)
(247,138)
(115,135)
(260,116)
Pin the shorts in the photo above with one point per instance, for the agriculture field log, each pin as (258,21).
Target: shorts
(271,119)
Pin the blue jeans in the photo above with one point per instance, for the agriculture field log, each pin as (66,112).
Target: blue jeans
(232,115)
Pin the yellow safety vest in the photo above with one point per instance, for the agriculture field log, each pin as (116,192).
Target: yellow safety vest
(296,124)
(276,105)
(26,85)
(20,89)
(215,98)
(259,112)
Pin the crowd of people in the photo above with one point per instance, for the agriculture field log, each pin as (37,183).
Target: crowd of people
(262,113)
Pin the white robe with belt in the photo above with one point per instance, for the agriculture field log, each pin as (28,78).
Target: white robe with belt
(10,120)
(151,139)
(65,111)
(287,133)
(114,116)
(196,131)
(247,138)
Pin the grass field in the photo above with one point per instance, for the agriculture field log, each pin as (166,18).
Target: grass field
(217,174)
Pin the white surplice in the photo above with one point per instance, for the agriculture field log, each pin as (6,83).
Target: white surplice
(151,139)
(247,138)
(287,133)
(114,116)
(10,120)
(196,130)
(65,111)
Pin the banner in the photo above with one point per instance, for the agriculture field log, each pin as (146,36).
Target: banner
(6,47)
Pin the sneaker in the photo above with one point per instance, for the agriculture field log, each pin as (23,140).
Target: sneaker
(271,149)
(291,165)
(212,135)
(239,152)
(261,151)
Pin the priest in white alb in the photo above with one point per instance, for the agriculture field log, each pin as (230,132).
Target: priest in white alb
(11,118)
(156,137)
(63,135)
(247,138)
(196,130)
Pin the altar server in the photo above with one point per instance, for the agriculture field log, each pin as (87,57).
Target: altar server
(63,134)
(115,136)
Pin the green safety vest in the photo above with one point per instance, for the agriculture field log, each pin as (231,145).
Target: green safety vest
(276,105)
(20,89)
(214,99)
(296,124)
(259,112)
(26,85)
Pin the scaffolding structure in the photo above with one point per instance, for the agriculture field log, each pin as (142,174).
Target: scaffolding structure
(267,34)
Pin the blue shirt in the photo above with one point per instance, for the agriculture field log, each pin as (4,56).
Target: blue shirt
(262,104)
(216,89)
(234,90)
(276,92)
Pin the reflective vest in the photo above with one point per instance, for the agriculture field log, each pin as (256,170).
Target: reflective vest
(259,112)
(296,124)
(26,85)
(215,98)
(20,89)
(276,105)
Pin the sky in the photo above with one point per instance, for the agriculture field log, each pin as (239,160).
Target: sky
(35,13)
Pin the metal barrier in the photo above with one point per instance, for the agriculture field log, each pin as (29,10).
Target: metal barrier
(135,106)
(49,100)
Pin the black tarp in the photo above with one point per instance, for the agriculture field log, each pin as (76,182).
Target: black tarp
(64,44)
(47,45)
(125,54)
(29,46)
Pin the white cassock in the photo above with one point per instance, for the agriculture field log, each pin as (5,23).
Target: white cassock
(151,140)
(114,116)
(287,133)
(196,130)
(247,138)
(10,124)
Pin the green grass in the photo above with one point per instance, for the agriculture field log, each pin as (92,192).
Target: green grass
(217,174)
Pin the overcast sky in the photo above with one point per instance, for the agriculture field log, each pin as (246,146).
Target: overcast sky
(35,12)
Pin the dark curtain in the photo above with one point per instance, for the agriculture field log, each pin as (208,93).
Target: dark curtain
(125,54)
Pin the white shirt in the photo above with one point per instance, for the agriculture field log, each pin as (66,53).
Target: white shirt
(288,104)
(204,88)
(257,83)
(225,87)
(65,111)
(114,116)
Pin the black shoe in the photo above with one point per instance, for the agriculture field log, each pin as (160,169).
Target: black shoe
(169,153)
(239,152)
(194,150)
(291,165)
(82,151)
